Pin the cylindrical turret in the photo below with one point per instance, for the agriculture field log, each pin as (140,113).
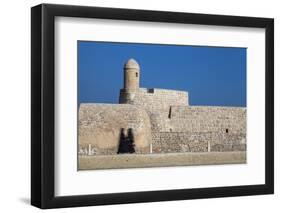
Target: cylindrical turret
(131,75)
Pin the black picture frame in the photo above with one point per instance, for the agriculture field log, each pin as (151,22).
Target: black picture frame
(43,101)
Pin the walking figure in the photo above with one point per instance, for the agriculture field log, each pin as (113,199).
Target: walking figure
(131,140)
(126,144)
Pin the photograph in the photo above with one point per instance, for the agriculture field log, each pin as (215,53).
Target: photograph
(135,105)
(157,105)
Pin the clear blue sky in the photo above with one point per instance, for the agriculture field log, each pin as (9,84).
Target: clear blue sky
(214,76)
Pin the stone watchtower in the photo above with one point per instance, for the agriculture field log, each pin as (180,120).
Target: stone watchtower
(131,75)
(131,82)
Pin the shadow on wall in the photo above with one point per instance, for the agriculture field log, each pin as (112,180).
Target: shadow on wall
(126,143)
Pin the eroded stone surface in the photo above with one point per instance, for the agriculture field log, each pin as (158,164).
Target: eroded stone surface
(100,125)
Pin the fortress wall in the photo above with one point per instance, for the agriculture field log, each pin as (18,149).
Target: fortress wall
(199,129)
(208,119)
(199,119)
(153,99)
(159,119)
(167,128)
(172,142)
(100,127)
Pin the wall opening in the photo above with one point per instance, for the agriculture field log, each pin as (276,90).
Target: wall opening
(150,90)
(226,130)
(137,75)
(170,113)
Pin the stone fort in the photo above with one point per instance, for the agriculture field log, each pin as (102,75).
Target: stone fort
(162,121)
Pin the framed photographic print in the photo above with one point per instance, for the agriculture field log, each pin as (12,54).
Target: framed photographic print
(139,106)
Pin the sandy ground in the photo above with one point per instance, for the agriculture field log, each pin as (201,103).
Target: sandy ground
(159,160)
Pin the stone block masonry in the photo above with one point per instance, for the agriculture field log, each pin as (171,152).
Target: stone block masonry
(208,119)
(176,142)
(153,98)
(230,120)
